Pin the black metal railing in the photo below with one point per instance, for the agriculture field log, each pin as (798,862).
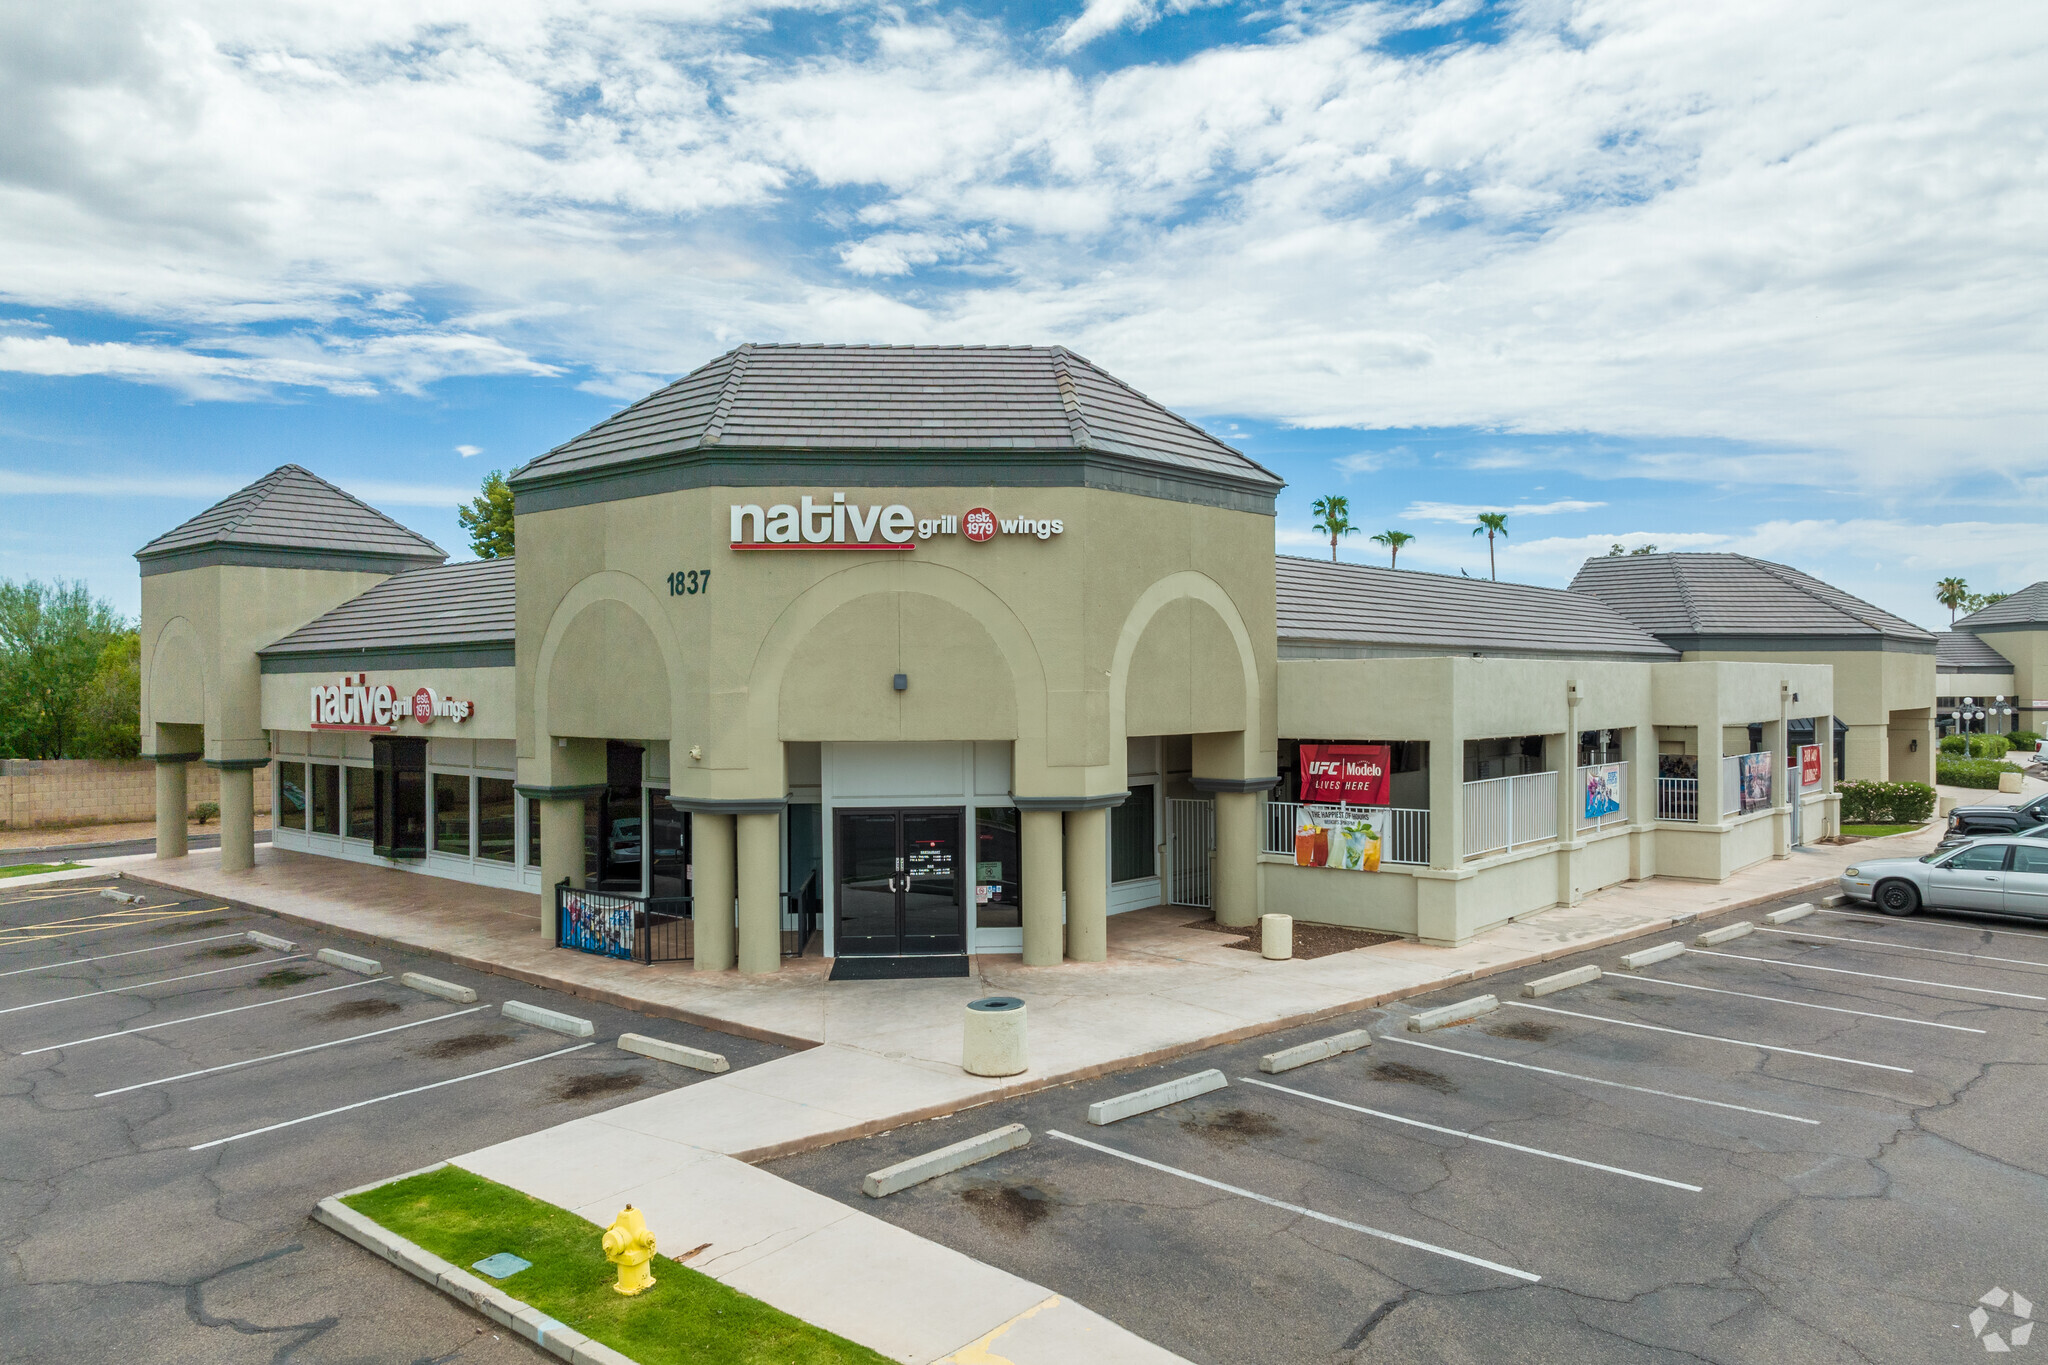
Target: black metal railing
(652,929)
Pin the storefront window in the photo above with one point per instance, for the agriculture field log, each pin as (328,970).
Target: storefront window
(401,800)
(451,814)
(1132,856)
(362,803)
(291,795)
(998,862)
(533,833)
(496,827)
(325,790)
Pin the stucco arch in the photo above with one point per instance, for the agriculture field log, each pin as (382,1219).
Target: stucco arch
(837,685)
(1173,628)
(608,664)
(1008,645)
(180,684)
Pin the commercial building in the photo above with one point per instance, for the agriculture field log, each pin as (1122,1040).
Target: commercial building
(1993,667)
(898,654)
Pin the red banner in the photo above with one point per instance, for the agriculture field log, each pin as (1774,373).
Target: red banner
(1809,765)
(1353,774)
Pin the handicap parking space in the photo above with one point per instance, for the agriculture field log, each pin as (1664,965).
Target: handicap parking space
(1728,1155)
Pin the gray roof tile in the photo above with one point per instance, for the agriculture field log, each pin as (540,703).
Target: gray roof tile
(1692,595)
(1956,650)
(292,509)
(2028,606)
(1360,604)
(936,398)
(449,605)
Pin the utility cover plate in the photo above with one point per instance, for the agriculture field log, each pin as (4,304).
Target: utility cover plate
(501,1265)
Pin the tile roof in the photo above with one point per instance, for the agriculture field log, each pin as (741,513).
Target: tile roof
(292,509)
(1364,605)
(1694,595)
(1957,650)
(902,398)
(2025,607)
(443,607)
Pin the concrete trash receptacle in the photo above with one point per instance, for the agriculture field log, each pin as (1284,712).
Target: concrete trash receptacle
(992,1042)
(1276,937)
(2009,781)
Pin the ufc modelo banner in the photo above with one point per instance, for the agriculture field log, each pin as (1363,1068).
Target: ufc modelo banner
(1347,774)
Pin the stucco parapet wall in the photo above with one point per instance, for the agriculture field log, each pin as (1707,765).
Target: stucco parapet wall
(1737,692)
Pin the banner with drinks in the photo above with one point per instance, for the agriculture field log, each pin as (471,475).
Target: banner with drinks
(1353,774)
(1345,837)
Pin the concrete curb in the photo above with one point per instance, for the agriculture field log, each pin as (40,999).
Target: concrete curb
(124,897)
(548,1019)
(918,1169)
(1637,961)
(1788,914)
(469,1290)
(1152,1097)
(1727,933)
(434,985)
(1445,1016)
(1549,985)
(349,962)
(1336,1045)
(661,1050)
(1832,900)
(272,941)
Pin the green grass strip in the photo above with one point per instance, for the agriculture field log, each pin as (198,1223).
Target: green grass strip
(687,1318)
(24,869)
(1877,831)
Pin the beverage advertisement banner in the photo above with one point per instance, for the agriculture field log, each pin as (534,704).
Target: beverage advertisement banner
(1341,837)
(597,924)
(1809,765)
(1603,790)
(1755,770)
(1347,774)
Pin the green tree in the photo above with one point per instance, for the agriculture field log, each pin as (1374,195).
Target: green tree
(1952,592)
(113,704)
(1393,540)
(488,518)
(1617,550)
(1333,519)
(1977,601)
(53,637)
(1492,524)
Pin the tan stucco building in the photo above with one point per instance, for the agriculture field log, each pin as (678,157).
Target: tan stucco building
(901,654)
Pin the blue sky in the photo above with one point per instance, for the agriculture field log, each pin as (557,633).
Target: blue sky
(1736,277)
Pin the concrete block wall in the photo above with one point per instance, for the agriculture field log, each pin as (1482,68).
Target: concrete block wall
(36,793)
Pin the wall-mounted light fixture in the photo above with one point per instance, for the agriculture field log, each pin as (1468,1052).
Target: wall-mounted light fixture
(902,682)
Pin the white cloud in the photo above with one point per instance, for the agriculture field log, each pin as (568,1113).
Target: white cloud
(466,451)
(213,487)
(1458,511)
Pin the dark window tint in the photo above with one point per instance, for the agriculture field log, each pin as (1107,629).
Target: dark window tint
(1131,852)
(401,802)
(496,820)
(291,795)
(451,814)
(362,803)
(998,875)
(1980,858)
(325,790)
(533,834)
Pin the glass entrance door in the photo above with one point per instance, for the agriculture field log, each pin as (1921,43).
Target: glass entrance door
(899,882)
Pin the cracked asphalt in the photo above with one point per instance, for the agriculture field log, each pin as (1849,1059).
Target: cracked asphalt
(121,1244)
(1846,1212)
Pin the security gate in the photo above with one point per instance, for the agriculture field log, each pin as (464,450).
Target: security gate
(1191,840)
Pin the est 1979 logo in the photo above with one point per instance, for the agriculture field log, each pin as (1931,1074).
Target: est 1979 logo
(815,524)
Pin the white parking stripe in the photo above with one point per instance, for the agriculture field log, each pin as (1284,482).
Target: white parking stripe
(210,1014)
(1471,1137)
(1709,1037)
(1595,1080)
(1804,1004)
(275,1056)
(160,948)
(145,985)
(1935,924)
(1902,947)
(1283,1205)
(1873,976)
(394,1095)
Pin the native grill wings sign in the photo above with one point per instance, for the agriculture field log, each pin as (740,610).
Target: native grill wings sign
(359,704)
(812,524)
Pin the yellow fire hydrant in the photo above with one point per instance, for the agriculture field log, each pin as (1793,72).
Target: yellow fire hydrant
(630,1246)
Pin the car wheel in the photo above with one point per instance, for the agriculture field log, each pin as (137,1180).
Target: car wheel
(1897,898)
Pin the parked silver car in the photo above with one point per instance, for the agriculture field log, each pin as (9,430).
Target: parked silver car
(1993,876)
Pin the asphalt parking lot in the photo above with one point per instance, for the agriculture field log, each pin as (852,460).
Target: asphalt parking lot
(1826,1144)
(174,1099)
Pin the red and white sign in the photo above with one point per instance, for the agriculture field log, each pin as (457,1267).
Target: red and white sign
(1347,774)
(978,525)
(359,704)
(1809,765)
(813,523)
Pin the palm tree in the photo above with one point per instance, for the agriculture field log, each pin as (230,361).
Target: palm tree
(1951,593)
(1492,524)
(1393,540)
(1333,519)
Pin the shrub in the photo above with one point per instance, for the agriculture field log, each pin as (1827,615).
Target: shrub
(1969,772)
(2023,739)
(209,810)
(1977,746)
(1889,803)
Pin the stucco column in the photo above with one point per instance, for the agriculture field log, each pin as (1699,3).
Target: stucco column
(1709,746)
(237,815)
(1234,889)
(1087,858)
(711,890)
(1446,801)
(171,807)
(561,854)
(1866,753)
(1041,836)
(1831,808)
(760,890)
(1776,737)
(1570,798)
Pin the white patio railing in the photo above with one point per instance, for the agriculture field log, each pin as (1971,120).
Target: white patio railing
(1190,839)
(1619,796)
(1678,798)
(1506,812)
(1406,841)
